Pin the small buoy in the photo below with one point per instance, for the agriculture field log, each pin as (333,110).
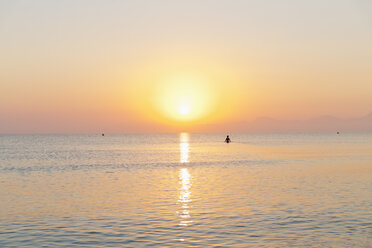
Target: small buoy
(103,134)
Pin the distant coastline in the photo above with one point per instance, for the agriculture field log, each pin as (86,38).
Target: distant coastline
(320,124)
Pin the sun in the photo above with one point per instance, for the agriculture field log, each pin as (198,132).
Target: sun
(183,98)
(184,110)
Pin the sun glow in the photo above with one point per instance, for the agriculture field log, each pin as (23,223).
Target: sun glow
(181,96)
(184,98)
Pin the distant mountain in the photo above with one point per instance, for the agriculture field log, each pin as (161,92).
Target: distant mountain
(369,116)
(320,124)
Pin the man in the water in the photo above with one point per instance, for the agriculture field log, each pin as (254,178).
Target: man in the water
(227,140)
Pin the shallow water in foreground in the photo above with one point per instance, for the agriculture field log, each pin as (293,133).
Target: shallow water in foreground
(180,190)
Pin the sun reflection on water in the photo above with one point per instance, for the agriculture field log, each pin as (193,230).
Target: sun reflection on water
(185,182)
(185,197)
(184,148)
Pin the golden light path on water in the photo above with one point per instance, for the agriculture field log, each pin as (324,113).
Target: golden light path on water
(185,183)
(184,148)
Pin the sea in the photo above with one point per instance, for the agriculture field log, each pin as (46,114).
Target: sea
(186,190)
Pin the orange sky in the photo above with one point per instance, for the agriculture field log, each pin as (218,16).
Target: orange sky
(134,66)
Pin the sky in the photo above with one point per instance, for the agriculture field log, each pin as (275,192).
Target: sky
(169,66)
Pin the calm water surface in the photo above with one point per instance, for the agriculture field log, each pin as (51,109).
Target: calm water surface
(186,190)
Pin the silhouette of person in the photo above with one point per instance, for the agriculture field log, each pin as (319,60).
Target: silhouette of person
(227,140)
